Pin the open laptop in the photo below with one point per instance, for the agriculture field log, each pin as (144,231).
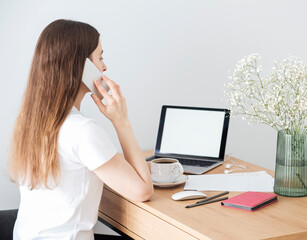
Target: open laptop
(195,136)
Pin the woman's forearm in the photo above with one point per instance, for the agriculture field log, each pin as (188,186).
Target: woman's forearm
(132,151)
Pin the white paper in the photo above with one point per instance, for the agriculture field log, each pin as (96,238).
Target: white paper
(237,182)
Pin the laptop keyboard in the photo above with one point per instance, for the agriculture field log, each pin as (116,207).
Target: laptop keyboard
(195,162)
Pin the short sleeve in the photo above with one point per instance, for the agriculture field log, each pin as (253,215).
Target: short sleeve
(94,146)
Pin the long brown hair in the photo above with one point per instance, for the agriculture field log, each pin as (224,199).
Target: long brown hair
(53,84)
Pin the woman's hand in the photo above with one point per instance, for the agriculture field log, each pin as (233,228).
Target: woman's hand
(115,109)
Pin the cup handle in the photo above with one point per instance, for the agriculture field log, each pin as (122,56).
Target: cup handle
(181,171)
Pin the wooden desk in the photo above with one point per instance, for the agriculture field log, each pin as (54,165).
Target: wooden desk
(163,218)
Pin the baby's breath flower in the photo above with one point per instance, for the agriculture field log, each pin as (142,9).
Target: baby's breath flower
(278,100)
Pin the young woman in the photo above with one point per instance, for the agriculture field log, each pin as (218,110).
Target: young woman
(59,158)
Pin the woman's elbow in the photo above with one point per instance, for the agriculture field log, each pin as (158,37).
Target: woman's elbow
(149,194)
(145,194)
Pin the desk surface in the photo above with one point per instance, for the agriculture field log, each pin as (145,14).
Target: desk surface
(162,218)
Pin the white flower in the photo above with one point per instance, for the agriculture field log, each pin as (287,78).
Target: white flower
(278,100)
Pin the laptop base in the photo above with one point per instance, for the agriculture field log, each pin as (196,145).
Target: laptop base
(188,169)
(198,170)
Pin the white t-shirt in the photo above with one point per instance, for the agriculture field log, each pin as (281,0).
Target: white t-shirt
(70,210)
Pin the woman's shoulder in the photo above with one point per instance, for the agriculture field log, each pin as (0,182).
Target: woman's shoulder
(81,137)
(76,124)
(76,119)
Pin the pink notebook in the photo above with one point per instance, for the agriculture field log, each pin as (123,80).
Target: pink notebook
(250,201)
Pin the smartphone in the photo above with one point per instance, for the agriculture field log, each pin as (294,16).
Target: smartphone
(91,73)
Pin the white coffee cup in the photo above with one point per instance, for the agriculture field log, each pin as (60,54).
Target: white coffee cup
(165,170)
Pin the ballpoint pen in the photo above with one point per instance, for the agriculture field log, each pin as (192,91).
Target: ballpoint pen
(209,200)
(203,203)
(215,196)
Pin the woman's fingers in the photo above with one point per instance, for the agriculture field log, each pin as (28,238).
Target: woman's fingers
(99,104)
(102,90)
(113,87)
(120,93)
(115,108)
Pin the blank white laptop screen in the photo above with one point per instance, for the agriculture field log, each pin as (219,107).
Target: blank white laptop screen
(192,132)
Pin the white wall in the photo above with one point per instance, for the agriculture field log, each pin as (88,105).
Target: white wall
(160,52)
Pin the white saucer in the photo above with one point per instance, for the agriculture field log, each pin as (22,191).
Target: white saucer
(180,180)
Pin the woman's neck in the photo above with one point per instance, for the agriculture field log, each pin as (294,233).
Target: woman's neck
(83,90)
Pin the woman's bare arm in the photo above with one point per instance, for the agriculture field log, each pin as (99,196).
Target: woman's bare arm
(128,174)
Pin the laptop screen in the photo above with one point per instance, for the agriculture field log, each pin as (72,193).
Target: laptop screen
(192,131)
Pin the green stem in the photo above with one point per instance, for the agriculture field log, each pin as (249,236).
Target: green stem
(301,180)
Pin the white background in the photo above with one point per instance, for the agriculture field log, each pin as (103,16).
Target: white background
(161,52)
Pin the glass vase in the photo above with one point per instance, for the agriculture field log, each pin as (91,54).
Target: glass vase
(291,165)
